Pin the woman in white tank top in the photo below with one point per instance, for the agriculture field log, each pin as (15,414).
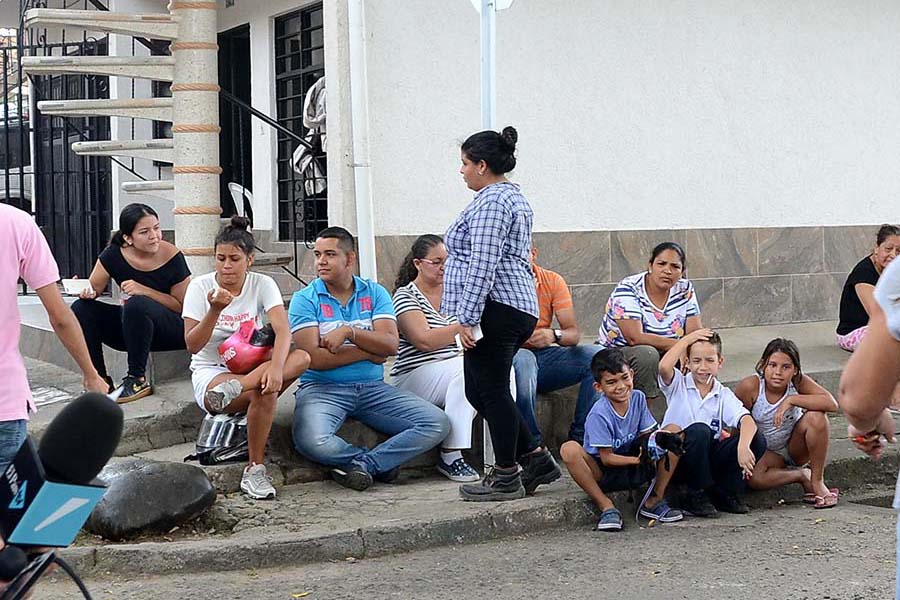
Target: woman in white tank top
(790,410)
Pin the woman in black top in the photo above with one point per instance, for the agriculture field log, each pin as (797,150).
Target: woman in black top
(857,299)
(153,276)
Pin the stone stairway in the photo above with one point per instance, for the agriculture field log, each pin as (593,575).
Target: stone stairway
(161,150)
(157,109)
(193,109)
(156,26)
(158,68)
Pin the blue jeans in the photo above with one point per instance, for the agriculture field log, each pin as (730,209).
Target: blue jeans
(553,368)
(415,425)
(12,434)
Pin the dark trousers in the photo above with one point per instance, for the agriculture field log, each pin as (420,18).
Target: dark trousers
(138,327)
(710,463)
(487,371)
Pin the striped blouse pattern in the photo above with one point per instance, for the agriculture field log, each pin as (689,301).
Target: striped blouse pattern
(408,298)
(629,300)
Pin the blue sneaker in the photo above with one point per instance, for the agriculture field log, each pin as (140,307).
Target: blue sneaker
(459,471)
(662,513)
(610,520)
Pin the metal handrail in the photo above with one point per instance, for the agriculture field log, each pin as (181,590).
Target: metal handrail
(232,99)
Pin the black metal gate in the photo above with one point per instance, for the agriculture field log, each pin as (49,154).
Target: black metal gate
(69,195)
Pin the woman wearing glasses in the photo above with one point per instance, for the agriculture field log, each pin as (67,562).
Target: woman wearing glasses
(430,363)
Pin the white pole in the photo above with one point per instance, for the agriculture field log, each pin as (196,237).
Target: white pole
(359,119)
(488,62)
(488,121)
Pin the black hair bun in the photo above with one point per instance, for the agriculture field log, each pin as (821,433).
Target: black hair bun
(239,222)
(509,136)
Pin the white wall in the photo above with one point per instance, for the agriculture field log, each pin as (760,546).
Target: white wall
(645,114)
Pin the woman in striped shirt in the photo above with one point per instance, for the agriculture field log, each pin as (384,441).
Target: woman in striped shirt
(430,363)
(647,313)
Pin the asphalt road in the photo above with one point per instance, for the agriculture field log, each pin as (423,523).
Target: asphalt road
(792,552)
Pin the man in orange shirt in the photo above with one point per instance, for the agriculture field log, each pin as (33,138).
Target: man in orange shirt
(552,359)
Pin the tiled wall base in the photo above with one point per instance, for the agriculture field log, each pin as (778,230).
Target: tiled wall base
(743,277)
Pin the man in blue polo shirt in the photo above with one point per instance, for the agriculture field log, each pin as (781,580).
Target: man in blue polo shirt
(348,327)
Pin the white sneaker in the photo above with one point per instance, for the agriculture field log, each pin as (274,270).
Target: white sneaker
(256,484)
(222,395)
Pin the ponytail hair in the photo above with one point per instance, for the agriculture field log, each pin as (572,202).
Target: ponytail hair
(236,233)
(128,220)
(419,250)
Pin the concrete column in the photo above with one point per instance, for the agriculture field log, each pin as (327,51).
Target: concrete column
(195,127)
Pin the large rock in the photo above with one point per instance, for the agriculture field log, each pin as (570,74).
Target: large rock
(149,497)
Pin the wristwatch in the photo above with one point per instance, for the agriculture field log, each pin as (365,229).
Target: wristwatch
(557,335)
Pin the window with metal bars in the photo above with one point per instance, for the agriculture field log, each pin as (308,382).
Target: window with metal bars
(299,63)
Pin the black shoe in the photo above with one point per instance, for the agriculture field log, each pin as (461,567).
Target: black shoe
(388,476)
(730,503)
(697,503)
(109,382)
(496,486)
(538,468)
(134,388)
(353,476)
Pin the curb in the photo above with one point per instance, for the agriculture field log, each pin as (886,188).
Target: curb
(556,510)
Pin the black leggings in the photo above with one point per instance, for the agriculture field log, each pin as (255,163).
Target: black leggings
(487,368)
(138,327)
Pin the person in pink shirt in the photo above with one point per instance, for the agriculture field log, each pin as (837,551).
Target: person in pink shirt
(27,256)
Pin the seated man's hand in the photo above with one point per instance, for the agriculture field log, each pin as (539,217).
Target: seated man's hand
(333,340)
(541,338)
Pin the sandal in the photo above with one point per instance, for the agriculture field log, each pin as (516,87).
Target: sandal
(829,500)
(810,498)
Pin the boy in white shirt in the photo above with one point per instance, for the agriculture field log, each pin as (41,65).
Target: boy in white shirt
(715,465)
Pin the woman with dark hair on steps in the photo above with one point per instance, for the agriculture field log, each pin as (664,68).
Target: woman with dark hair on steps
(216,305)
(152,275)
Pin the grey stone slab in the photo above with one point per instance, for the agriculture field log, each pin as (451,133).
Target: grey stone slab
(721,252)
(590,304)
(711,296)
(816,297)
(630,250)
(847,245)
(788,250)
(581,257)
(752,301)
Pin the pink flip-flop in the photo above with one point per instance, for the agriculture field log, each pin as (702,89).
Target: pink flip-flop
(810,498)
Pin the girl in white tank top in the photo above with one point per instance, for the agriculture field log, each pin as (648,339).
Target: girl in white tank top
(763,412)
(789,409)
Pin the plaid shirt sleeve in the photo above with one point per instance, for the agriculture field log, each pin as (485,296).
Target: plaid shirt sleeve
(488,228)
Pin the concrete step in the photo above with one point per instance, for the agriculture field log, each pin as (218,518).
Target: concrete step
(161,150)
(157,68)
(153,26)
(157,109)
(272,259)
(39,341)
(168,417)
(164,189)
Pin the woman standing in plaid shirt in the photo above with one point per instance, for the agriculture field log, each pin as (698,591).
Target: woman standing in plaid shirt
(489,286)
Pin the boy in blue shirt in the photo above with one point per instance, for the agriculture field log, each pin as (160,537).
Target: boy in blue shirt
(615,453)
(348,327)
